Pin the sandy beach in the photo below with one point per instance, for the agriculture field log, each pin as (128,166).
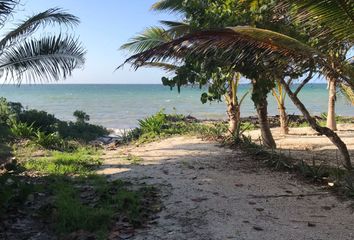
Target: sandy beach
(216,193)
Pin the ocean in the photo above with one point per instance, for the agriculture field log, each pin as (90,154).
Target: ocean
(120,106)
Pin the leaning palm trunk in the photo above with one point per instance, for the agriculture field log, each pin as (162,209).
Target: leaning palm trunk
(331,115)
(280,98)
(332,136)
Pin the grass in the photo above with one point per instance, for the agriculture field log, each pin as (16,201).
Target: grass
(79,199)
(79,162)
(91,204)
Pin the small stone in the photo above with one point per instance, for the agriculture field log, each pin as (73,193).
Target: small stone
(326,208)
(258,228)
(30,198)
(311,224)
(9,182)
(260,209)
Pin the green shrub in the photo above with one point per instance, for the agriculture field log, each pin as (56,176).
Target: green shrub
(40,120)
(84,132)
(81,116)
(22,130)
(48,141)
(316,173)
(154,123)
(6,112)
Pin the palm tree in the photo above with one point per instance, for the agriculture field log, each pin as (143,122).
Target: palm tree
(280,95)
(245,47)
(336,21)
(27,58)
(154,36)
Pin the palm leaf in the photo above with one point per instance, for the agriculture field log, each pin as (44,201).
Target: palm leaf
(235,44)
(6,9)
(168,5)
(48,58)
(48,17)
(239,46)
(150,38)
(164,66)
(329,16)
(347,92)
(177,29)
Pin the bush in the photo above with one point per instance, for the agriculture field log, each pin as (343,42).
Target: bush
(81,116)
(153,124)
(40,119)
(84,132)
(49,141)
(6,113)
(22,130)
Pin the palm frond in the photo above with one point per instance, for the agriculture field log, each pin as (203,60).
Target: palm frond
(177,29)
(235,44)
(150,38)
(48,17)
(164,66)
(48,58)
(347,92)
(168,5)
(6,9)
(329,16)
(239,46)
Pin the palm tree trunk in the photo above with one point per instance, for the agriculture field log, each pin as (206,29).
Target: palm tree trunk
(233,114)
(331,115)
(262,111)
(233,105)
(332,136)
(283,118)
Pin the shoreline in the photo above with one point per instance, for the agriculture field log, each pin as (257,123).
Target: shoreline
(273,121)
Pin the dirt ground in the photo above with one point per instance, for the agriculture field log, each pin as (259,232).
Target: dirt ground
(214,193)
(305,144)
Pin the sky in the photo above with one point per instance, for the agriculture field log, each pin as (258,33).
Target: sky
(105,26)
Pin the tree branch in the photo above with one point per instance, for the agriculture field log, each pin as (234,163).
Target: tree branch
(309,77)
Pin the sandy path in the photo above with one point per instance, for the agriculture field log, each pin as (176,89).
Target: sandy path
(209,192)
(305,144)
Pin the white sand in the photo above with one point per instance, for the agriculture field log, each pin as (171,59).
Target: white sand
(214,193)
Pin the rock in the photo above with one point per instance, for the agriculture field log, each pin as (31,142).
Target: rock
(30,198)
(258,228)
(311,224)
(9,182)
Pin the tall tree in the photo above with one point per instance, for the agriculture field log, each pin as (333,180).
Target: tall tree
(269,54)
(24,57)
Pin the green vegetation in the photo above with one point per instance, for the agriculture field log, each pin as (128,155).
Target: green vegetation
(44,128)
(57,154)
(80,162)
(162,125)
(267,42)
(78,199)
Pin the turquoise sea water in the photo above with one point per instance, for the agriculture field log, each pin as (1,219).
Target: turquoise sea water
(120,106)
